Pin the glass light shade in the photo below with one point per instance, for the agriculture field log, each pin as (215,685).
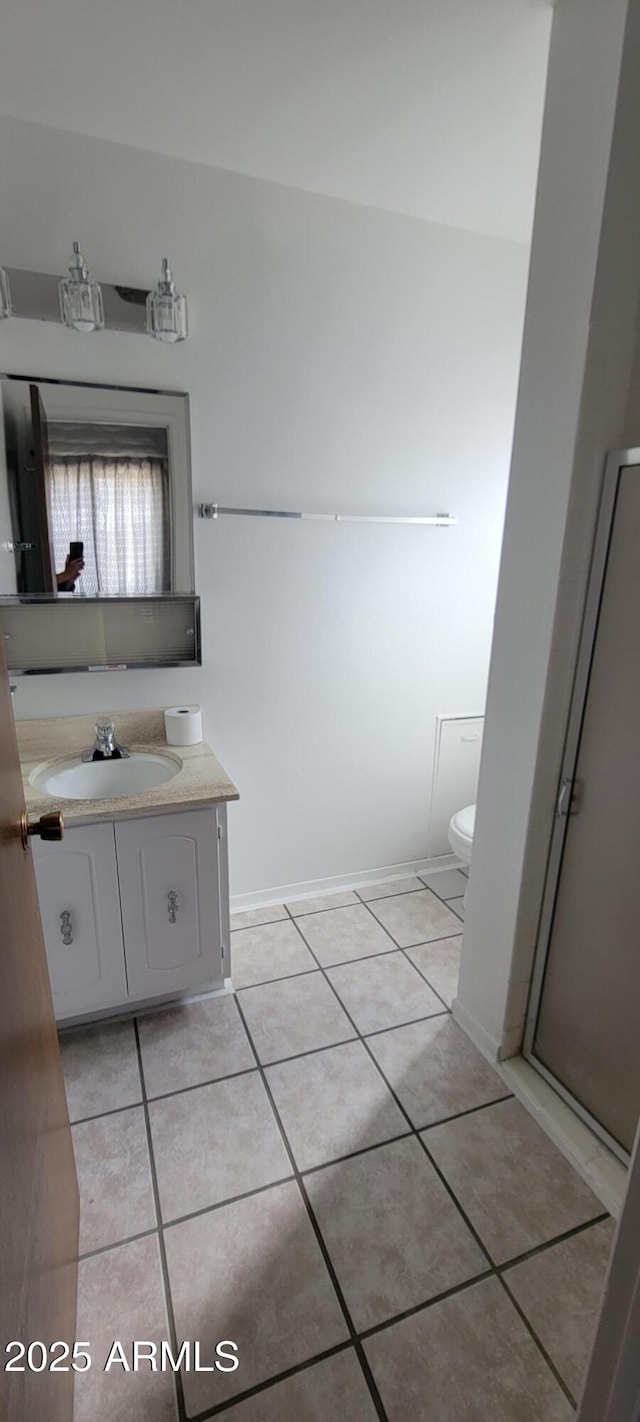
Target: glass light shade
(80,297)
(6,309)
(167,318)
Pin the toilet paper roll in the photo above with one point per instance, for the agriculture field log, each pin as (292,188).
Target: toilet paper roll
(183,725)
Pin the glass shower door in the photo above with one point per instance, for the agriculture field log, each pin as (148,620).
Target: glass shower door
(583,1030)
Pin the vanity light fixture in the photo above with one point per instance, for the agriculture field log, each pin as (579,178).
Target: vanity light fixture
(80,297)
(6,309)
(166,309)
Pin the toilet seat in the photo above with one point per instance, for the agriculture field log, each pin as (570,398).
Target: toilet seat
(461,827)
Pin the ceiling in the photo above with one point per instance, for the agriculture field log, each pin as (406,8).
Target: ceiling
(425,107)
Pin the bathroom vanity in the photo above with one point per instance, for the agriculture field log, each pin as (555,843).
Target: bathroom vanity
(135,898)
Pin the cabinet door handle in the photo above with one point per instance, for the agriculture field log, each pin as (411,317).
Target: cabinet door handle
(66,928)
(172,905)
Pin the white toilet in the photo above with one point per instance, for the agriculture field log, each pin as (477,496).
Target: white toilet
(460,834)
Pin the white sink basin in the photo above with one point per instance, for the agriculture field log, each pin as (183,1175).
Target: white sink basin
(106,779)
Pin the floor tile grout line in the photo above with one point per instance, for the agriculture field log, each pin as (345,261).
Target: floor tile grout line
(468,1111)
(438,938)
(415,1132)
(548,1244)
(325,968)
(531,1331)
(342,963)
(112,1111)
(228,1200)
(221,1407)
(375,1396)
(310,1052)
(306,1170)
(346,962)
(496,1271)
(316,1051)
(195,1086)
(399,894)
(310,913)
(437,994)
(127,1106)
(164,1267)
(493,1270)
(493,1267)
(448,902)
(283,1061)
(423,941)
(403,1136)
(410,1022)
(353,1154)
(423,1307)
(164,1095)
(116,1244)
(435,891)
(282,978)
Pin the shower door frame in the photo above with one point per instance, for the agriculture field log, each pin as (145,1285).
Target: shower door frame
(616,462)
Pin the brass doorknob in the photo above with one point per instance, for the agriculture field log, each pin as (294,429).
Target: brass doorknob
(49,826)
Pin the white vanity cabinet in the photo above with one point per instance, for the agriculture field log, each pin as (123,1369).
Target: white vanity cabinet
(80,910)
(135,910)
(170,897)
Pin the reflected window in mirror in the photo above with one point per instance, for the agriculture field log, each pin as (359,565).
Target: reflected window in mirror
(108,491)
(95,494)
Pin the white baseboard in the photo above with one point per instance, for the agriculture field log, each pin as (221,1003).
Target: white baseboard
(287,893)
(481,1039)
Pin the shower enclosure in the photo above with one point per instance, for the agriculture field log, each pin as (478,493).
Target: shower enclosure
(583,1028)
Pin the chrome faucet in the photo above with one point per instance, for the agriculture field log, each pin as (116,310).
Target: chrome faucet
(105,746)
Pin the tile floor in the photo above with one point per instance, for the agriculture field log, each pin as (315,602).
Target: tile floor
(323,1169)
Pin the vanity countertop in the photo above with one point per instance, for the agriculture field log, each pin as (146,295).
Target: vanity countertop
(201,781)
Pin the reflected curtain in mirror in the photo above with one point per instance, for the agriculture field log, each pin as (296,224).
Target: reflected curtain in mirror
(118,508)
(95,491)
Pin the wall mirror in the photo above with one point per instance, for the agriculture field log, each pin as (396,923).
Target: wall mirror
(95,491)
(96,529)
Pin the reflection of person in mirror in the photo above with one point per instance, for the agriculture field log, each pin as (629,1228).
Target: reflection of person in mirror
(67,579)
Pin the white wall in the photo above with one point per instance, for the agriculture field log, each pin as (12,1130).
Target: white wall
(426,107)
(578,350)
(340,358)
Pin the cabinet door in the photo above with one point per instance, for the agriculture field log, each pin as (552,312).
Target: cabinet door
(80,909)
(168,870)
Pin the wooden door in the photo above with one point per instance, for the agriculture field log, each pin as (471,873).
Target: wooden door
(38,1187)
(80,908)
(168,870)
